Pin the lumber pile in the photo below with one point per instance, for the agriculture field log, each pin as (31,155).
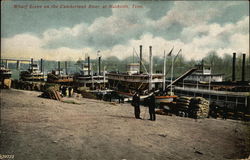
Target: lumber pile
(199,107)
(52,93)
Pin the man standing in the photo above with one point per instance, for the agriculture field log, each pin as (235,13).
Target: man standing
(225,110)
(151,107)
(136,104)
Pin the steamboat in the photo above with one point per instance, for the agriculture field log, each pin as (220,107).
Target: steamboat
(135,80)
(33,73)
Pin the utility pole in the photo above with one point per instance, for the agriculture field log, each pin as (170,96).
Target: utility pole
(172,71)
(92,79)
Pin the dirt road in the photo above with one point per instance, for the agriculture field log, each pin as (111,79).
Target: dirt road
(37,128)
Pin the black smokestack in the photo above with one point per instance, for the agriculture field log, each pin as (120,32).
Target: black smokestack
(31,63)
(59,67)
(233,67)
(151,60)
(243,67)
(17,64)
(41,68)
(88,66)
(140,58)
(66,67)
(99,61)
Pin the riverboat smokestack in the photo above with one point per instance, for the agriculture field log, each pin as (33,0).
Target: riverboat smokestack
(41,68)
(233,67)
(66,68)
(31,64)
(140,59)
(243,67)
(59,67)
(88,66)
(99,62)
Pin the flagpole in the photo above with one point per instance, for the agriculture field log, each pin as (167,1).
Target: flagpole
(164,72)
(104,74)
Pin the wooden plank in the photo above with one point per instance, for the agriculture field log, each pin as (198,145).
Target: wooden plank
(58,95)
(55,94)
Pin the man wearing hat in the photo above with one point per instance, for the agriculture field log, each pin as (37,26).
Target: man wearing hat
(136,104)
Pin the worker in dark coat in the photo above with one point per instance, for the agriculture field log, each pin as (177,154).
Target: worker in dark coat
(136,104)
(151,106)
(225,110)
(64,89)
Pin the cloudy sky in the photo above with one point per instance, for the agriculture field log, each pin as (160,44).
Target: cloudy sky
(196,27)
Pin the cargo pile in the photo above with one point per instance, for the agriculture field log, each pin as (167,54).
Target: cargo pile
(5,83)
(52,93)
(85,93)
(29,85)
(193,107)
(182,104)
(198,107)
